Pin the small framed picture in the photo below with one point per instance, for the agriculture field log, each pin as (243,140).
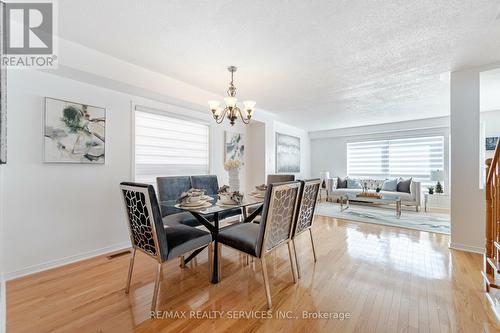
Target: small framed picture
(491,143)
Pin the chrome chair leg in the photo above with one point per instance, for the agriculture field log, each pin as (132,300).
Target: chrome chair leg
(266,282)
(296,258)
(130,269)
(291,261)
(181,262)
(157,287)
(312,243)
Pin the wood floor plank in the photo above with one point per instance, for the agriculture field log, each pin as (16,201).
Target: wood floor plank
(387,279)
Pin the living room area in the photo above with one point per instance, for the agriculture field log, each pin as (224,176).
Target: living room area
(391,174)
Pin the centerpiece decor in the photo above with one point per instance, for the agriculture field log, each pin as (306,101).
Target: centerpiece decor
(233,168)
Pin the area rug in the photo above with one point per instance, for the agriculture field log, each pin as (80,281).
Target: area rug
(433,222)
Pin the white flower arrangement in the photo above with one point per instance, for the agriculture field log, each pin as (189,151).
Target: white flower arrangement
(232,164)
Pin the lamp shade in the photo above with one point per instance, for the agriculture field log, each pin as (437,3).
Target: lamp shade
(437,175)
(324,175)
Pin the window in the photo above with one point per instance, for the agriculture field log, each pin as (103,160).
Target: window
(169,146)
(391,158)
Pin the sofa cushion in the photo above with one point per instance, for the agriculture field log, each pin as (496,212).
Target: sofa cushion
(390,185)
(353,183)
(341,182)
(404,185)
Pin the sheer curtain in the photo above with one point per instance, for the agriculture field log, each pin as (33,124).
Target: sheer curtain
(169,145)
(407,157)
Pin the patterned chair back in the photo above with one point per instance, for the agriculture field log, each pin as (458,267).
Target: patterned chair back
(278,216)
(144,219)
(307,204)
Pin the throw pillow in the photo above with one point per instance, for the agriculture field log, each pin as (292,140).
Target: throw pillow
(341,182)
(404,185)
(390,185)
(353,183)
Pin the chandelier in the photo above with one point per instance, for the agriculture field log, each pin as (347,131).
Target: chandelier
(231,110)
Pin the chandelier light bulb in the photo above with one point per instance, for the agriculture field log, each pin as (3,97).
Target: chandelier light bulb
(230,101)
(213,105)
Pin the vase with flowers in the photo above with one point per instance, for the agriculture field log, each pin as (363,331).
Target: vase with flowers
(233,168)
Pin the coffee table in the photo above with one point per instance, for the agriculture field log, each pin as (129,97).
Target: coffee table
(345,199)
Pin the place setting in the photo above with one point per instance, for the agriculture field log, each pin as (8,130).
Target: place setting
(260,191)
(228,198)
(194,199)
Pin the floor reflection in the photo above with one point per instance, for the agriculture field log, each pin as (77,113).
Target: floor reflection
(396,249)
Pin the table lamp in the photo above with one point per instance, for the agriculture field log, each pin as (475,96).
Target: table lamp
(438,176)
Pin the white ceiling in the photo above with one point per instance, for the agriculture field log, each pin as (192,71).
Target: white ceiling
(317,64)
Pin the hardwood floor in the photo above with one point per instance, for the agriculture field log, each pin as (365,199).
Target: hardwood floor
(387,279)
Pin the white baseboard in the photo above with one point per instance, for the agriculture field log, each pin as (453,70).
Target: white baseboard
(466,248)
(64,261)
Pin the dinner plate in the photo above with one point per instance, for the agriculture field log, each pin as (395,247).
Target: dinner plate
(195,204)
(257,194)
(203,205)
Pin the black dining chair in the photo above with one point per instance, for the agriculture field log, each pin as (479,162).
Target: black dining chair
(305,214)
(275,229)
(149,235)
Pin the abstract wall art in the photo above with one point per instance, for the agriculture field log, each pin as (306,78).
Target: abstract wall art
(234,147)
(287,153)
(74,132)
(491,143)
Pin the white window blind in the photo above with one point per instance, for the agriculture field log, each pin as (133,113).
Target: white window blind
(169,146)
(391,158)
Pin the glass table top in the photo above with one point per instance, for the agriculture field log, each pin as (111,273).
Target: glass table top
(171,207)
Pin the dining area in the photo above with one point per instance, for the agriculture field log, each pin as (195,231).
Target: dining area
(186,215)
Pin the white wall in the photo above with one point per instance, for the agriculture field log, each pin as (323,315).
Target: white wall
(467,199)
(59,212)
(255,166)
(3,307)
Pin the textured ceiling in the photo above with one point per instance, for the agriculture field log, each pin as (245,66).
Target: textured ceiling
(317,64)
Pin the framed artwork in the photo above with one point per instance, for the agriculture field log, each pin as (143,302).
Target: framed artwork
(234,147)
(287,153)
(74,132)
(3,98)
(491,143)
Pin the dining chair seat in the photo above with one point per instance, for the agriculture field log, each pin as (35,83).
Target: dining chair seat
(241,236)
(182,239)
(183,218)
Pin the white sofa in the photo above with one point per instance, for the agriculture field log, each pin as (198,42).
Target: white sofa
(407,199)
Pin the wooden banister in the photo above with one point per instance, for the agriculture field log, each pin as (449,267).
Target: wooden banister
(492,228)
